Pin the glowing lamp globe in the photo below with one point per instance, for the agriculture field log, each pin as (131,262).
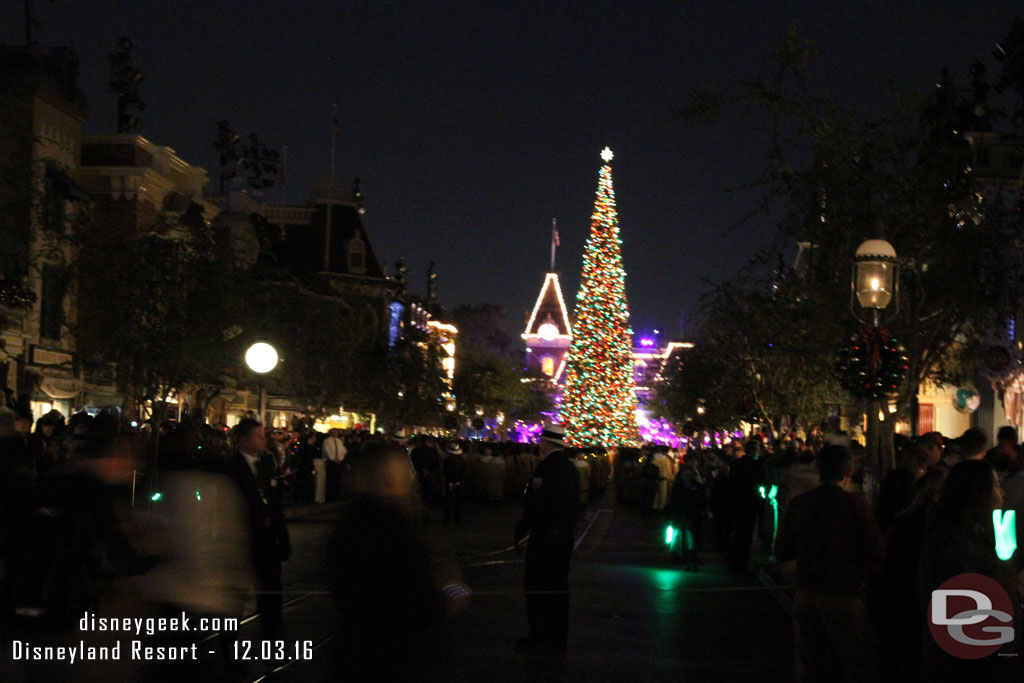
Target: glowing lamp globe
(548,331)
(874,274)
(261,358)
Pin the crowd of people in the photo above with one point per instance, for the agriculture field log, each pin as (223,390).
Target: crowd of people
(97,516)
(864,573)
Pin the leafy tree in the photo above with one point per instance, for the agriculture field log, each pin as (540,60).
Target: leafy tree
(487,375)
(326,341)
(834,177)
(412,386)
(154,301)
(750,360)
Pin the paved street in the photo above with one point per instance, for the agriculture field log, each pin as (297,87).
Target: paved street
(634,615)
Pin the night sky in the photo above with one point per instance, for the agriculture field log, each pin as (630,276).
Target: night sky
(473,124)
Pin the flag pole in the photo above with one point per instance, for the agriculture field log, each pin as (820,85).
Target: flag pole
(334,139)
(330,191)
(282,181)
(554,241)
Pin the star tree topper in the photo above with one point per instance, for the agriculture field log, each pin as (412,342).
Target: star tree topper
(607,155)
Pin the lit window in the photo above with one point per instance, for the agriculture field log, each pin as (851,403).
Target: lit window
(547,366)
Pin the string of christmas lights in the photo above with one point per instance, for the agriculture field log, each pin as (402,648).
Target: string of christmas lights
(599,403)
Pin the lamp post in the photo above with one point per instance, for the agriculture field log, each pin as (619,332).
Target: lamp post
(874,285)
(261,358)
(874,276)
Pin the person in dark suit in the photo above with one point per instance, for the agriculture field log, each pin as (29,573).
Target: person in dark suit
(253,472)
(746,476)
(549,517)
(454,468)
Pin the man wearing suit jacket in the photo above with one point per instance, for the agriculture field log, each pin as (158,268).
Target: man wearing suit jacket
(253,472)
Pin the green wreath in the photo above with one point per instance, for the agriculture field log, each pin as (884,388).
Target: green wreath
(872,364)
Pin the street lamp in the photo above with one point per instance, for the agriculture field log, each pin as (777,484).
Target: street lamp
(874,276)
(874,285)
(261,358)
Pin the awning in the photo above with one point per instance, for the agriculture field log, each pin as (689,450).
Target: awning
(61,388)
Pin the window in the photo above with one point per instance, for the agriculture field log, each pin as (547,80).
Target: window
(547,366)
(51,309)
(356,256)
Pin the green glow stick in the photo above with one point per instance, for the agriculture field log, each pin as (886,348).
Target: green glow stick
(1005,526)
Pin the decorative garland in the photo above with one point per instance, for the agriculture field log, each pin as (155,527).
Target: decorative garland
(15,295)
(872,364)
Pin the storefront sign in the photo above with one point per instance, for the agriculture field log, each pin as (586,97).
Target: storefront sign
(45,356)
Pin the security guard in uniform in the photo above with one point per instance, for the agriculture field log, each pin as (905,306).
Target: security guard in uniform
(549,517)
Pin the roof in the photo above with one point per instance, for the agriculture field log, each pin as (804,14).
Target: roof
(550,307)
(304,242)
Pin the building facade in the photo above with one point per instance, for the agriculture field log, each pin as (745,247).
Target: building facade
(41,115)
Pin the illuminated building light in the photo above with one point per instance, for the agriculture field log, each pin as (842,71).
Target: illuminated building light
(670,535)
(561,369)
(444,327)
(548,331)
(550,281)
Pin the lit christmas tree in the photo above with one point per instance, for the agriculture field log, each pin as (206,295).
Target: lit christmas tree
(599,404)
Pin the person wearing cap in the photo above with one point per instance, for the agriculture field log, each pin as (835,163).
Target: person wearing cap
(454,470)
(549,517)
